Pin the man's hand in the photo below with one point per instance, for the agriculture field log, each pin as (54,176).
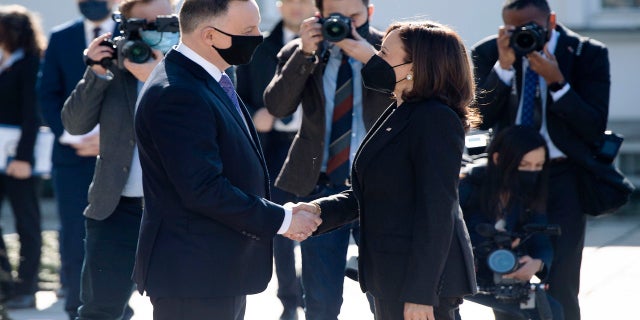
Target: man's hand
(19,169)
(303,224)
(506,54)
(96,52)
(545,65)
(310,34)
(358,47)
(89,147)
(528,268)
(142,70)
(263,120)
(413,311)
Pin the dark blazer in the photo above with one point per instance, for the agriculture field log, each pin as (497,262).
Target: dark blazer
(110,103)
(254,77)
(207,229)
(414,246)
(471,201)
(578,119)
(18,105)
(62,68)
(299,80)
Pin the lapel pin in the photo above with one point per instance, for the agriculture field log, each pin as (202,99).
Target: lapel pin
(388,129)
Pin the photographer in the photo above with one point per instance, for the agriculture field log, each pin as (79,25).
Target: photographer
(537,72)
(321,71)
(508,193)
(106,95)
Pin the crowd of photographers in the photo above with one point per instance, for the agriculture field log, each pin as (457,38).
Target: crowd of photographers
(542,89)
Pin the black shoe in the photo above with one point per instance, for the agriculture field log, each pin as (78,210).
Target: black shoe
(24,301)
(289,314)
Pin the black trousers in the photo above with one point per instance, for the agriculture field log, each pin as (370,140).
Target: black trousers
(223,308)
(564,209)
(23,197)
(387,309)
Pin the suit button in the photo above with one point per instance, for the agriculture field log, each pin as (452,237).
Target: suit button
(125,169)
(132,143)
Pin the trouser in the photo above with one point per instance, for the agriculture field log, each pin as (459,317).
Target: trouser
(222,308)
(391,309)
(564,209)
(71,184)
(23,197)
(109,259)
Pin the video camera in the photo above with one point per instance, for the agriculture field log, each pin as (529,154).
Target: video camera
(501,259)
(335,27)
(528,38)
(129,44)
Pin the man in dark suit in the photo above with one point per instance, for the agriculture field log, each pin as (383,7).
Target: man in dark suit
(74,160)
(206,233)
(308,73)
(107,96)
(566,95)
(276,135)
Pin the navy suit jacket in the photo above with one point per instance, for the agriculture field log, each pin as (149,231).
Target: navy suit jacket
(62,68)
(207,228)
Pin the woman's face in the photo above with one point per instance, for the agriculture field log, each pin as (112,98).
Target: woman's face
(392,51)
(532,160)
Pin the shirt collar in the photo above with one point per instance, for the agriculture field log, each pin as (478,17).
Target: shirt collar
(553,41)
(106,26)
(287,35)
(206,65)
(11,58)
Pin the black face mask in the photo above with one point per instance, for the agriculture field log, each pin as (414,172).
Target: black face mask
(527,181)
(94,10)
(241,50)
(363,30)
(378,75)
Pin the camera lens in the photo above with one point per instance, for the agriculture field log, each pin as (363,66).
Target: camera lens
(136,51)
(336,27)
(335,30)
(502,261)
(526,41)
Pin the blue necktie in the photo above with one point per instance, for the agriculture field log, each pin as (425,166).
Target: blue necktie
(227,86)
(340,138)
(528,98)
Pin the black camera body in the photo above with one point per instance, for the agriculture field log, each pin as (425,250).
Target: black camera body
(336,27)
(129,45)
(501,259)
(528,38)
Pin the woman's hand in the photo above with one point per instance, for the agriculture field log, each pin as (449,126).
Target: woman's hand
(19,169)
(528,268)
(413,311)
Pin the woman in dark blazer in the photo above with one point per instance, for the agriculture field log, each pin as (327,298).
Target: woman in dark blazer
(415,255)
(509,192)
(21,45)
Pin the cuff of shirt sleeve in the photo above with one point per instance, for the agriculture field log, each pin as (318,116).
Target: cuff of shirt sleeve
(560,93)
(286,222)
(505,75)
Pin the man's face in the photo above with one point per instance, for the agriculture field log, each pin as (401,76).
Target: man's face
(295,11)
(523,16)
(151,10)
(354,9)
(241,18)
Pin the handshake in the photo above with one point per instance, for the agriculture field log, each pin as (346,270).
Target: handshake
(304,221)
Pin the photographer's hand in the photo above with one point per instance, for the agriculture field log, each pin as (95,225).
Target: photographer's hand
(358,47)
(96,52)
(506,54)
(546,65)
(311,35)
(529,267)
(142,70)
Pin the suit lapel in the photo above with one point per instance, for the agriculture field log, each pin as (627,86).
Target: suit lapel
(389,125)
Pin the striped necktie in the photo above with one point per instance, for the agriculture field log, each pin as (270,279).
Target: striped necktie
(96,32)
(227,86)
(340,139)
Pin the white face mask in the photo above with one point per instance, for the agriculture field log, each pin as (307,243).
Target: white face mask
(162,41)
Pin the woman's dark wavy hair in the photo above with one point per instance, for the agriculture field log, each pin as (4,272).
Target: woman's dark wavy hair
(441,67)
(20,29)
(511,145)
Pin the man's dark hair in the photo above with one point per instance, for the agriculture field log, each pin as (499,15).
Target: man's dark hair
(543,5)
(319,4)
(193,12)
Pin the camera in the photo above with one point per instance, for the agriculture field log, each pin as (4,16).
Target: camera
(528,38)
(609,146)
(129,45)
(502,259)
(335,27)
